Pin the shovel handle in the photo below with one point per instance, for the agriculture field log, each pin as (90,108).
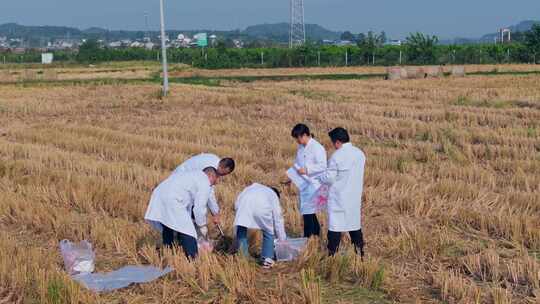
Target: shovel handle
(220,230)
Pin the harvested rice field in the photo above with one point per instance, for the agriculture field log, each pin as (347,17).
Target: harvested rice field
(451,199)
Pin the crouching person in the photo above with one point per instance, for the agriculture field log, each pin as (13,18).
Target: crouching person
(172,203)
(258,207)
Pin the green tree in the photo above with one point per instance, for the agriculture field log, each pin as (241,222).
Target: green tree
(347,36)
(383,37)
(370,44)
(90,51)
(421,48)
(532,40)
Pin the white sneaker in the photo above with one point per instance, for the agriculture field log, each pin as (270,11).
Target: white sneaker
(268,263)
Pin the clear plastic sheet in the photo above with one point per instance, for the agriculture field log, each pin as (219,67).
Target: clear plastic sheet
(123,277)
(289,249)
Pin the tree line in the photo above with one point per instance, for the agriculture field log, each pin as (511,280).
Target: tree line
(418,49)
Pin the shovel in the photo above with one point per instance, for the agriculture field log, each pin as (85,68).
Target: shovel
(226,243)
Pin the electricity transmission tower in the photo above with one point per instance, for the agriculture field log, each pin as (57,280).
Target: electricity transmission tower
(297,34)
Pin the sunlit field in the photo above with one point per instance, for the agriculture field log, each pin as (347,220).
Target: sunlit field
(451,208)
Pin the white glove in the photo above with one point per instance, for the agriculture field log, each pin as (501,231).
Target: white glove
(204,231)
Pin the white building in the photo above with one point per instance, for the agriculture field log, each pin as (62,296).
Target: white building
(394,42)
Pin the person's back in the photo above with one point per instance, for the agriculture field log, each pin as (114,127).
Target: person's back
(350,177)
(174,201)
(254,207)
(345,176)
(198,162)
(175,196)
(257,207)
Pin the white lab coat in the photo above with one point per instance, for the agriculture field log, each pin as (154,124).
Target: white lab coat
(198,163)
(313,158)
(172,201)
(345,176)
(257,207)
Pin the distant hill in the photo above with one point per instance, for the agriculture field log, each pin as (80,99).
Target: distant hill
(490,38)
(278,32)
(28,32)
(520,27)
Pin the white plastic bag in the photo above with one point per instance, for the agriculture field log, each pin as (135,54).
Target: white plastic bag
(78,257)
(205,245)
(289,249)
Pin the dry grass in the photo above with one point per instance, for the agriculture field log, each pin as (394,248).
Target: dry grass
(193,72)
(451,197)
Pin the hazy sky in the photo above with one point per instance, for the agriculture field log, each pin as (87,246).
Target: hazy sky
(463,18)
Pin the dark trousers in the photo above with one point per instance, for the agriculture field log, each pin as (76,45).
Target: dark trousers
(311,225)
(188,243)
(334,238)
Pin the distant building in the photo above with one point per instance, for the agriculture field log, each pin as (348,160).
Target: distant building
(115,44)
(394,42)
(136,44)
(344,43)
(149,45)
(18,50)
(213,40)
(238,43)
(505,35)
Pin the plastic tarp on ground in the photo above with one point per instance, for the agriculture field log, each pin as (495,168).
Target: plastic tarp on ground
(123,277)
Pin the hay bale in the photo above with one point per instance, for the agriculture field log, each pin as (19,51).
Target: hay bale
(5,76)
(458,71)
(395,73)
(414,72)
(433,71)
(29,75)
(49,74)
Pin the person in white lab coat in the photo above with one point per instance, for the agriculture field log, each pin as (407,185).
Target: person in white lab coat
(173,202)
(258,207)
(224,166)
(310,163)
(345,176)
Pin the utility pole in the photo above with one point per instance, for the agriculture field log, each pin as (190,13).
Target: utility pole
(400,57)
(164,51)
(262,58)
(319,58)
(346,57)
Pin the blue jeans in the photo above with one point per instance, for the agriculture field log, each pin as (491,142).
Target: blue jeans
(267,250)
(188,243)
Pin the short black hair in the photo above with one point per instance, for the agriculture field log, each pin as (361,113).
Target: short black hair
(339,134)
(299,130)
(210,171)
(276,191)
(228,163)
